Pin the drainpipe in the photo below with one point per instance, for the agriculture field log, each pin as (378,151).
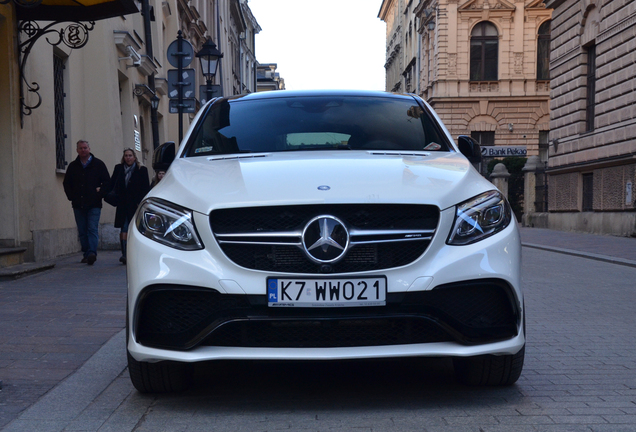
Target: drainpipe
(145,12)
(418,62)
(241,41)
(218,38)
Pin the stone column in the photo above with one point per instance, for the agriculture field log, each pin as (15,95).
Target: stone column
(499,178)
(533,164)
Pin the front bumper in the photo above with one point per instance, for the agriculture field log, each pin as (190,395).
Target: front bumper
(197,305)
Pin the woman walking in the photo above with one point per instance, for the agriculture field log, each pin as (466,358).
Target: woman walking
(130,184)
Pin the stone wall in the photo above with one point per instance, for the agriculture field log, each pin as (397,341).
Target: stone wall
(527,116)
(48,244)
(613,29)
(564,192)
(608,150)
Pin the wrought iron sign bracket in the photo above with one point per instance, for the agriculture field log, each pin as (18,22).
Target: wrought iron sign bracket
(142,89)
(74,35)
(23,3)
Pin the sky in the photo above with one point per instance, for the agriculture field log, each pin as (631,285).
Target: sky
(327,44)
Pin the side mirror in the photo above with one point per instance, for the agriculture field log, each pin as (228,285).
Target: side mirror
(163,156)
(469,148)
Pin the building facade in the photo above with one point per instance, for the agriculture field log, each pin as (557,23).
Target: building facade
(402,49)
(592,164)
(248,62)
(482,65)
(268,79)
(103,92)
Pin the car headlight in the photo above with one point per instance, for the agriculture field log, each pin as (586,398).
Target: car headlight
(168,224)
(479,218)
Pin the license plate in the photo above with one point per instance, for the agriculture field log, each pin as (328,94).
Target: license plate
(326,292)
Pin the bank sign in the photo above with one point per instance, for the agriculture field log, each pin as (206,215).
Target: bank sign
(503,151)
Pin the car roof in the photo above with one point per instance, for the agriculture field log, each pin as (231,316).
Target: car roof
(273,94)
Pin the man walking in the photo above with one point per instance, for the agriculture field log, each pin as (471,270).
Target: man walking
(84,179)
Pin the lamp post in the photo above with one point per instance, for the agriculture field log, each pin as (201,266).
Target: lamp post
(209,57)
(154,106)
(141,89)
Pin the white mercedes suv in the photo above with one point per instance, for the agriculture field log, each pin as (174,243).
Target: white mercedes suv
(318,226)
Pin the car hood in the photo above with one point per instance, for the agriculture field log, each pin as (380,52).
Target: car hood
(316,177)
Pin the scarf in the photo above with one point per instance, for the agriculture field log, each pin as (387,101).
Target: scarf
(128,170)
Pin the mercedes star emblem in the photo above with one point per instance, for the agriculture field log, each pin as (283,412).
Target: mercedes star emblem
(325,239)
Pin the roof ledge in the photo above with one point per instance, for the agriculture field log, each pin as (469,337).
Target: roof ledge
(147,66)
(123,39)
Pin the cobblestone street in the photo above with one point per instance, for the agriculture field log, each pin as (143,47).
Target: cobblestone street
(579,375)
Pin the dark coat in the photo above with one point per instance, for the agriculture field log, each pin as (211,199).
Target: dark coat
(131,195)
(80,184)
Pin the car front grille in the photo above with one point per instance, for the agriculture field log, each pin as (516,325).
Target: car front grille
(270,238)
(181,318)
(309,333)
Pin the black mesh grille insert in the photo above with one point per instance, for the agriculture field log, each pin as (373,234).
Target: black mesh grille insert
(181,318)
(289,218)
(328,333)
(178,316)
(292,259)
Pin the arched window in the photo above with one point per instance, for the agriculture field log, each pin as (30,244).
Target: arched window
(484,52)
(543,52)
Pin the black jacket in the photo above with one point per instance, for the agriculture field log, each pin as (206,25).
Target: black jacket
(131,195)
(80,184)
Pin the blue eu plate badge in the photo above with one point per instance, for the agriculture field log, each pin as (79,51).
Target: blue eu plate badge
(272,291)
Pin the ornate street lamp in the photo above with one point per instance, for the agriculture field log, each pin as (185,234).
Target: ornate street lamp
(209,57)
(154,102)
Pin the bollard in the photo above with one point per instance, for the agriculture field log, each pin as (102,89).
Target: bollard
(499,178)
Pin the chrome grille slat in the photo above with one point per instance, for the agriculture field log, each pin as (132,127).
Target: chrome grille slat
(390,240)
(378,236)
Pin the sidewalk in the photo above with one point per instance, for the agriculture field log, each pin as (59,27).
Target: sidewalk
(53,322)
(617,250)
(64,326)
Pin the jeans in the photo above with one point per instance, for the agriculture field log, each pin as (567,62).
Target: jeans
(87,221)
(124,227)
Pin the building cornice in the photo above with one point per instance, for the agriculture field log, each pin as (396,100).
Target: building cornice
(498,5)
(123,39)
(385,7)
(595,163)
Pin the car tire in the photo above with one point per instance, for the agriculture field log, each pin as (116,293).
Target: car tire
(489,370)
(160,377)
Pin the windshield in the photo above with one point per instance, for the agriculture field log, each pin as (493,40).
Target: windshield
(315,123)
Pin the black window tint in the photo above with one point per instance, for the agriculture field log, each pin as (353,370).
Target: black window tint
(484,52)
(543,52)
(591,89)
(484,138)
(315,123)
(58,92)
(491,49)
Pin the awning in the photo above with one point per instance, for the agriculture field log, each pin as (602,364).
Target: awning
(75,10)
